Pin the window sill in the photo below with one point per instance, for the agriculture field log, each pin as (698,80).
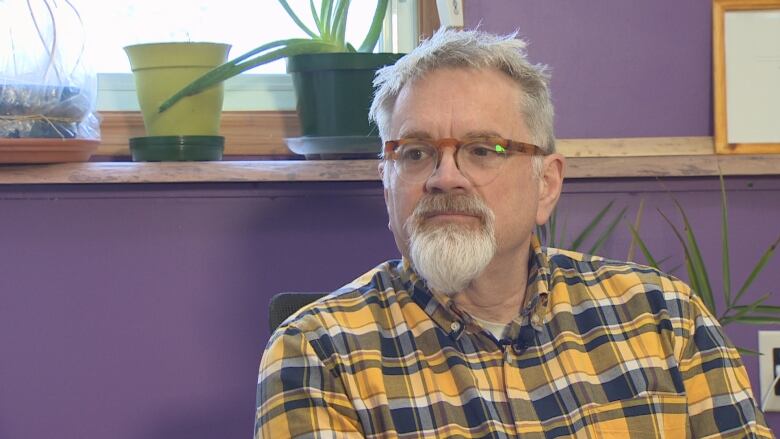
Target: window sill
(260,134)
(365,170)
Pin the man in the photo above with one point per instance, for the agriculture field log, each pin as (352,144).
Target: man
(478,331)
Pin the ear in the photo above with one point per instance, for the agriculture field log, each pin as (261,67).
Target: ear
(550,185)
(381,169)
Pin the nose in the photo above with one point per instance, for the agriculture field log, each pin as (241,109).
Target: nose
(447,177)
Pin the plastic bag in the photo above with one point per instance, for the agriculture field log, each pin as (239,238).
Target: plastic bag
(47,89)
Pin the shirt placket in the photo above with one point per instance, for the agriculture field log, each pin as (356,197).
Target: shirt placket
(517,410)
(521,411)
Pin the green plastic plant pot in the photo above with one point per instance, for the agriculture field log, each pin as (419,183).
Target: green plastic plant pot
(162,69)
(334,91)
(177,148)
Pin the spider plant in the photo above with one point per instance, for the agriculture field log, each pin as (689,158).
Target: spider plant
(756,312)
(327,37)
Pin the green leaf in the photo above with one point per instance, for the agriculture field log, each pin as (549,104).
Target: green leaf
(759,320)
(643,247)
(743,351)
(316,17)
(767,309)
(551,229)
(263,48)
(697,262)
(296,47)
(765,258)
(742,310)
(671,270)
(694,277)
(244,62)
(575,245)
(725,240)
(637,223)
(561,230)
(326,15)
(608,232)
(376,27)
(297,20)
(220,73)
(339,24)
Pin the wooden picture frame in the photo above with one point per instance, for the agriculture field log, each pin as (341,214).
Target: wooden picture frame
(746,76)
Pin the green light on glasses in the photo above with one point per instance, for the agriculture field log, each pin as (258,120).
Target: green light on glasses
(500,148)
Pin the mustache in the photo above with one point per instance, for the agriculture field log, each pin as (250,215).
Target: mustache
(435,204)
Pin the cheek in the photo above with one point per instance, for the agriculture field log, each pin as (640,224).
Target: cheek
(515,210)
(400,205)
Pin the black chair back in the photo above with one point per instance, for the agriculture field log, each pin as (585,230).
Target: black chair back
(285,304)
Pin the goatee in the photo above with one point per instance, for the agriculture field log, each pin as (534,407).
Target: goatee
(450,256)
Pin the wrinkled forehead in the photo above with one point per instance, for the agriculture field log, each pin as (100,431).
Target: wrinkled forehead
(454,102)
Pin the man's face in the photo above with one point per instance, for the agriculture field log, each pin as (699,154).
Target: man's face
(460,103)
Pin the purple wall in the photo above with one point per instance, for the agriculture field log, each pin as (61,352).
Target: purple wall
(619,68)
(141,311)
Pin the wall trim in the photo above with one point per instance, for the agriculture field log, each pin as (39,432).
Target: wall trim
(366,170)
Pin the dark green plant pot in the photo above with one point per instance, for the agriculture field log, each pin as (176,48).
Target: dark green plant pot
(334,91)
(177,148)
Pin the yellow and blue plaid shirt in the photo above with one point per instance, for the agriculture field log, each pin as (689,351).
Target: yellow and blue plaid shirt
(601,349)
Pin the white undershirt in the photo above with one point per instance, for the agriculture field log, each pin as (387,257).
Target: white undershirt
(495,328)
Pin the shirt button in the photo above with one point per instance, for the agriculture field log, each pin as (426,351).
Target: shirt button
(455,326)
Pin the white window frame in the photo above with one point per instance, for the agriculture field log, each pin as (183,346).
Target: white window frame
(265,92)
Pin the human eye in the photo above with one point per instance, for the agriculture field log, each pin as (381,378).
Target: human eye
(415,152)
(482,149)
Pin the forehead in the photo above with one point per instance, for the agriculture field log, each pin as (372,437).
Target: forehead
(450,102)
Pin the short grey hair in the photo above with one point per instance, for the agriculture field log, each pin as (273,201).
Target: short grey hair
(471,49)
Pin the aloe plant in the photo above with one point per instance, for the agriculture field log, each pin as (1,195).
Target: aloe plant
(552,235)
(756,312)
(327,37)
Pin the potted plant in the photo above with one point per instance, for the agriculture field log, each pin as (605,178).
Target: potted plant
(160,68)
(190,129)
(332,79)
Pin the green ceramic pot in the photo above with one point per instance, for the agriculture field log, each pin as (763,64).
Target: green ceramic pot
(162,69)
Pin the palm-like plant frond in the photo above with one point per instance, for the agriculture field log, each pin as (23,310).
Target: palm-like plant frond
(734,312)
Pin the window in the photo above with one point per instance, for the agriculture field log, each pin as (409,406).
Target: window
(244,24)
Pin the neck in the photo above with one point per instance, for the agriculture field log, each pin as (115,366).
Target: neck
(497,295)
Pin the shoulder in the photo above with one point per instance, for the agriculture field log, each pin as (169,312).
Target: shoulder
(594,278)
(357,309)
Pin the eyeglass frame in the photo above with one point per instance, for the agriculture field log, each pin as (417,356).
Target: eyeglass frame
(524,148)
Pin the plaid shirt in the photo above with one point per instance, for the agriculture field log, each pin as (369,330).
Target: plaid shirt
(601,349)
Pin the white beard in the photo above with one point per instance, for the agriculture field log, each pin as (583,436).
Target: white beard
(451,256)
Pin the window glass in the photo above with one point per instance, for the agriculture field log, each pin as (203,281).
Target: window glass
(245,24)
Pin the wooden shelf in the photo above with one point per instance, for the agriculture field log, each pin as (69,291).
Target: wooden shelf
(365,170)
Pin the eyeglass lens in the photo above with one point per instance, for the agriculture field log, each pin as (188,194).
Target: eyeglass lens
(478,161)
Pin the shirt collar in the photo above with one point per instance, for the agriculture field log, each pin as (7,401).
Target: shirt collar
(445,313)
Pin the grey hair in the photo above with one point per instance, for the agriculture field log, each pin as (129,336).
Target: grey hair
(471,49)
